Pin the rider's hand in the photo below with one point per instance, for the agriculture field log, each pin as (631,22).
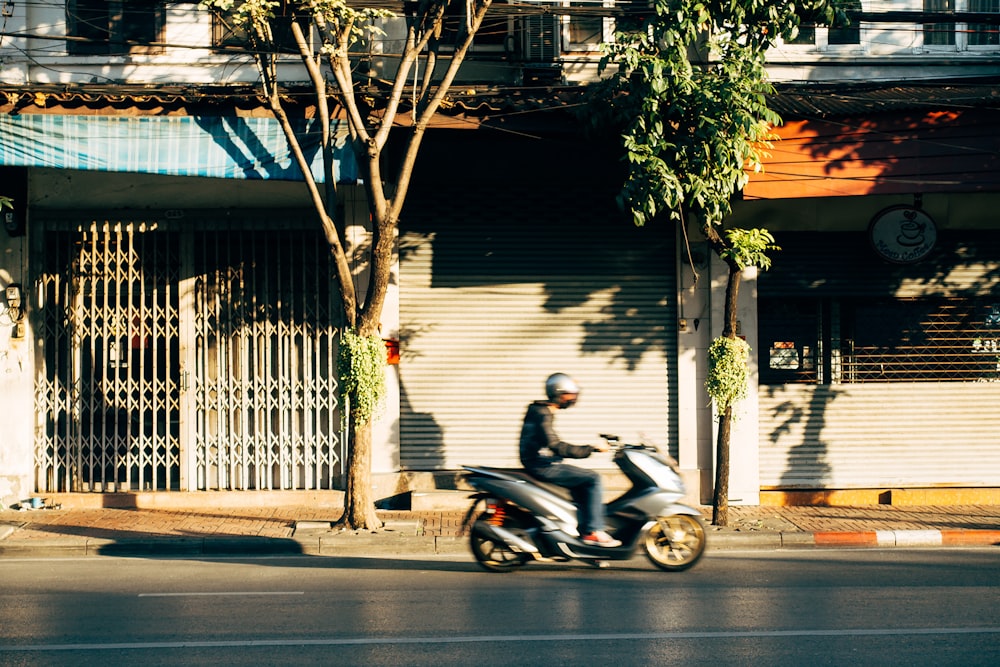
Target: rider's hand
(603,447)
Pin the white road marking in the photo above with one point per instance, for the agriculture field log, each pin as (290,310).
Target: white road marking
(222,594)
(484,639)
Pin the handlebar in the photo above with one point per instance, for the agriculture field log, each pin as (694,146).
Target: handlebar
(615,443)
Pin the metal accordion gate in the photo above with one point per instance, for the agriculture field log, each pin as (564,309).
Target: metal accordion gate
(186,355)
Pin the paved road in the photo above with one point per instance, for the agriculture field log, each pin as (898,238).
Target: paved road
(816,607)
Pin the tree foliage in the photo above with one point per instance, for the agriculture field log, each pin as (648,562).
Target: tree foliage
(748,247)
(690,93)
(688,90)
(727,371)
(331,40)
(360,361)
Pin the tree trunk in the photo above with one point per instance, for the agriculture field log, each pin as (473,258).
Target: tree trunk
(359,504)
(720,500)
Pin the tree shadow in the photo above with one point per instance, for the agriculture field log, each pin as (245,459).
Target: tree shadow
(806,461)
(891,148)
(422,431)
(258,158)
(896,152)
(530,209)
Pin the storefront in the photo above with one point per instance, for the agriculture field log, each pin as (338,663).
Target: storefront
(517,266)
(879,356)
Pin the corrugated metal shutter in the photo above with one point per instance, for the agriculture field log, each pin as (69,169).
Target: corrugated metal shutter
(879,435)
(885,433)
(844,264)
(498,296)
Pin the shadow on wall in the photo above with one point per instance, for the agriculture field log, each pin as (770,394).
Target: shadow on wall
(424,438)
(547,213)
(806,468)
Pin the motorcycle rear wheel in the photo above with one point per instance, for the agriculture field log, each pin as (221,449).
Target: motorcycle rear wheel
(493,555)
(675,543)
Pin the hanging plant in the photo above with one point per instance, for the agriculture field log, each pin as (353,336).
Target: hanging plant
(360,365)
(728,373)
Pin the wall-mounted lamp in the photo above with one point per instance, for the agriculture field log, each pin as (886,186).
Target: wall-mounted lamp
(13,296)
(12,223)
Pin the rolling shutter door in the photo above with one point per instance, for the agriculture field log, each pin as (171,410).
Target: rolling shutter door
(493,301)
(880,434)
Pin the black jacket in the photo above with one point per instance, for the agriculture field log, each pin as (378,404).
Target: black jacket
(540,446)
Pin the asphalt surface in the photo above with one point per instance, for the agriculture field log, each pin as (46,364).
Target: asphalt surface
(66,530)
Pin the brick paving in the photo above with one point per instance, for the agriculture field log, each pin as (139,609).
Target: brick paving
(279,522)
(886,517)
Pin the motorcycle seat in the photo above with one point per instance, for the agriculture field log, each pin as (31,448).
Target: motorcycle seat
(521,474)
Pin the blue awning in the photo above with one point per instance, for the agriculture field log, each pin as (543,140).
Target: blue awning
(208,146)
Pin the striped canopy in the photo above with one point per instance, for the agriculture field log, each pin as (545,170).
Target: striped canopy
(208,146)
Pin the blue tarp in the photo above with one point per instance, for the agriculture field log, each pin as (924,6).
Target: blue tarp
(208,146)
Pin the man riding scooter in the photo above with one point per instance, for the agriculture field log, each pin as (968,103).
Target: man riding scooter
(542,453)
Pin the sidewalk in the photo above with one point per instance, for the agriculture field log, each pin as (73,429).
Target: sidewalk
(303,529)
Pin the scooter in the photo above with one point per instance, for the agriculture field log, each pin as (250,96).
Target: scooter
(516,519)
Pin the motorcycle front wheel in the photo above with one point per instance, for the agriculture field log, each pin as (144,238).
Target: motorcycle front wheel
(494,555)
(675,543)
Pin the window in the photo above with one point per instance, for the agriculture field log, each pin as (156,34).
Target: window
(116,27)
(791,335)
(849,340)
(225,33)
(939,34)
(491,36)
(850,34)
(984,34)
(585,30)
(806,36)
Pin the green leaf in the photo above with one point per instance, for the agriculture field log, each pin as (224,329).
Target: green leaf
(728,376)
(360,365)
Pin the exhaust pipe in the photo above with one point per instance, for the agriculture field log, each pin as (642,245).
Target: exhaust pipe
(501,534)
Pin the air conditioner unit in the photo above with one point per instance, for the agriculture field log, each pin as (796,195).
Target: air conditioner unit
(540,43)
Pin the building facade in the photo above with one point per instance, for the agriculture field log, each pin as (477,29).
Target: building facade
(169,324)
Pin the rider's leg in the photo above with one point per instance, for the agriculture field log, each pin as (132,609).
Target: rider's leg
(585,487)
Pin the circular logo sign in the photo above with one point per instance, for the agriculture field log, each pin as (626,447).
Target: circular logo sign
(902,234)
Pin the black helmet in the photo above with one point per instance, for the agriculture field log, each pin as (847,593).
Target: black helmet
(556,388)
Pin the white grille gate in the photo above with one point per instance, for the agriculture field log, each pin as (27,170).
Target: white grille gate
(106,392)
(177,357)
(264,364)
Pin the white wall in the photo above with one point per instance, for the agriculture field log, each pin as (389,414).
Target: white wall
(16,380)
(886,52)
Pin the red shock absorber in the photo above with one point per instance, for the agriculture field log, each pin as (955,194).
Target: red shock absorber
(497,511)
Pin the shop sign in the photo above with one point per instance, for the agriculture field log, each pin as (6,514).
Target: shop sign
(902,234)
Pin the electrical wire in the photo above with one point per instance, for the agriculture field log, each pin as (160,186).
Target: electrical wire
(237,54)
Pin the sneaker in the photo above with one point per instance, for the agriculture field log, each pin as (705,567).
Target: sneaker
(601,539)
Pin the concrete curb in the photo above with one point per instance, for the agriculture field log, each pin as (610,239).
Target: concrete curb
(910,538)
(855,539)
(324,542)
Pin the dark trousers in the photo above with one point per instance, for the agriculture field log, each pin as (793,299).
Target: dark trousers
(585,487)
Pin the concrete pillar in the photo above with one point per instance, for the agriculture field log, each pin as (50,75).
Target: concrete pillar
(16,375)
(694,410)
